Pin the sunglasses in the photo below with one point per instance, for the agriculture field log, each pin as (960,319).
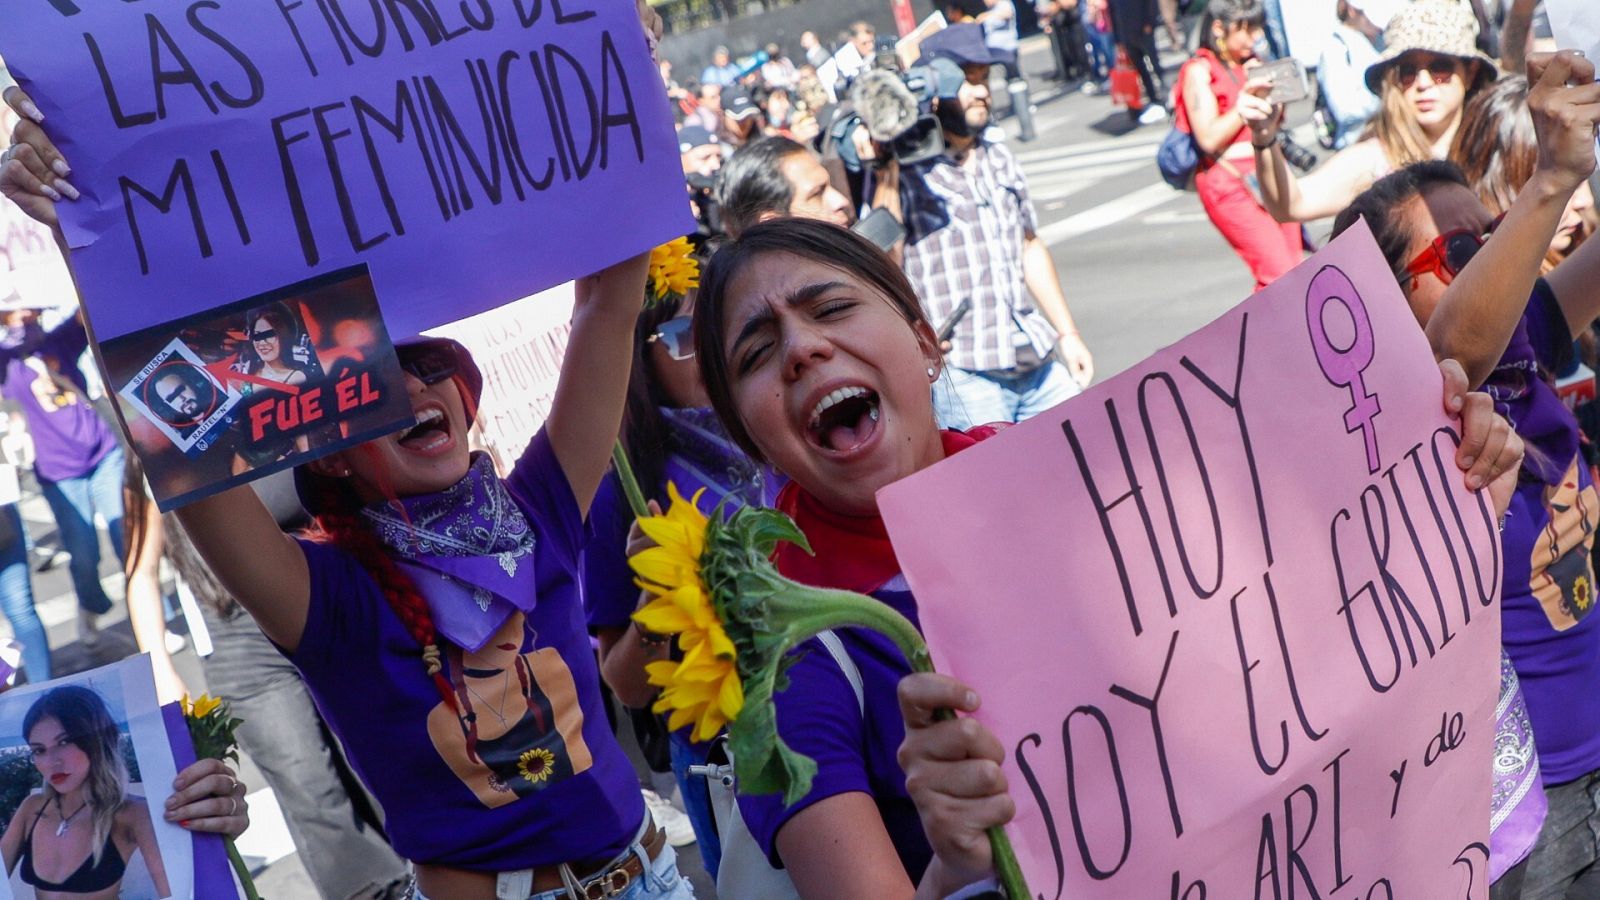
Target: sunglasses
(177,392)
(429,363)
(677,336)
(1440,68)
(1448,254)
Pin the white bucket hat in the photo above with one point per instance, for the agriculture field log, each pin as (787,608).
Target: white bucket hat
(1442,27)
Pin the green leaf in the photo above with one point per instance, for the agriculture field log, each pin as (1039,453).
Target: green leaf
(762,762)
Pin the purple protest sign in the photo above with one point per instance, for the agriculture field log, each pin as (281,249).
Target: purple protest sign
(470,153)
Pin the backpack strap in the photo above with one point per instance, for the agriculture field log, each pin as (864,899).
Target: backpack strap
(835,648)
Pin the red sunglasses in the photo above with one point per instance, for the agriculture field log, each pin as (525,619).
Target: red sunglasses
(1449,254)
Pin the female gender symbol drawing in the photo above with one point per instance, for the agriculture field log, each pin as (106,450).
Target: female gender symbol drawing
(1342,366)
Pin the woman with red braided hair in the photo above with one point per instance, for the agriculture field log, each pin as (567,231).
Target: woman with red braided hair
(437,617)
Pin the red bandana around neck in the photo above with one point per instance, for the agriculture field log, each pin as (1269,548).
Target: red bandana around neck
(853,553)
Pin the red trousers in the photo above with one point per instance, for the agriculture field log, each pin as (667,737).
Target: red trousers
(1269,247)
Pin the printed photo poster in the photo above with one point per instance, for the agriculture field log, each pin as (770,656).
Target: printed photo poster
(97,742)
(519,348)
(1232,613)
(259,385)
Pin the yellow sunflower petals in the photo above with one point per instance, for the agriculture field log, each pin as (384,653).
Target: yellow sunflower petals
(663,618)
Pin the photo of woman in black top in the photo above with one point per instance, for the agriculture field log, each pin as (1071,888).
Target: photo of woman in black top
(74,838)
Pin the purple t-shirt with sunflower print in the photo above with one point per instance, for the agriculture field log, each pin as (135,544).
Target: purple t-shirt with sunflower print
(525,770)
(1550,631)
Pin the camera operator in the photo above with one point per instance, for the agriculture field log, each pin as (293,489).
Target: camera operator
(773,177)
(700,152)
(971,236)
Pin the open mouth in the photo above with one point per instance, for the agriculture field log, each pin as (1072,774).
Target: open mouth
(844,419)
(431,431)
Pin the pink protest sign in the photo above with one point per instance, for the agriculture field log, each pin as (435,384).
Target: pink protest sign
(1232,613)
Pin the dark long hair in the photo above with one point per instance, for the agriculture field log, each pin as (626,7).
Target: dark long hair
(822,242)
(284,322)
(645,434)
(90,728)
(1380,205)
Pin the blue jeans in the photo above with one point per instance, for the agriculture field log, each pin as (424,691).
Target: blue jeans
(344,855)
(963,398)
(660,881)
(1277,36)
(74,502)
(1102,50)
(16,596)
(696,800)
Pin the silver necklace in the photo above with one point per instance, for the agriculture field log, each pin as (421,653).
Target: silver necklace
(499,712)
(66,819)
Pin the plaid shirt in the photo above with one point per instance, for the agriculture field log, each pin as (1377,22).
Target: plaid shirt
(965,227)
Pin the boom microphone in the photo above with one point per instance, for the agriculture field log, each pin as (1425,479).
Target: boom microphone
(886,106)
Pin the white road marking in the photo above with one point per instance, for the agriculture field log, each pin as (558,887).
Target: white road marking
(1106,214)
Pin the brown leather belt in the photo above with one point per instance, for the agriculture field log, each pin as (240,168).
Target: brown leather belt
(604,879)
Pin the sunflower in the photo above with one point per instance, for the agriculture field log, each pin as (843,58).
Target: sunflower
(703,688)
(673,270)
(201,707)
(713,584)
(536,765)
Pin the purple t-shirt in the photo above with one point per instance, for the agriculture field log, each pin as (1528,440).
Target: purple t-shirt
(529,773)
(819,716)
(69,436)
(1548,595)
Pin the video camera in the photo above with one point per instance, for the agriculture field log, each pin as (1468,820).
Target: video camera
(896,108)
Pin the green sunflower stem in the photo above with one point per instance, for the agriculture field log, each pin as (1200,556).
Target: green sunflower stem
(630,484)
(241,870)
(828,609)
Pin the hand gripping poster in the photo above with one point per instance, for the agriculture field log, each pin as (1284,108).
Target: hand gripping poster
(1232,614)
(227,157)
(87,763)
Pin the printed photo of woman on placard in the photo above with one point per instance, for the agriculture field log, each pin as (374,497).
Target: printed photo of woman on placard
(276,346)
(276,349)
(83,833)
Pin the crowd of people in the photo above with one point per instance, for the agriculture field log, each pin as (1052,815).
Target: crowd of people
(876,297)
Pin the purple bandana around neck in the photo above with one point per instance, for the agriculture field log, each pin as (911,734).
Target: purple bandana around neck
(1518,809)
(469,548)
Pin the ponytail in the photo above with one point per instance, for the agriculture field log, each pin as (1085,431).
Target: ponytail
(346,531)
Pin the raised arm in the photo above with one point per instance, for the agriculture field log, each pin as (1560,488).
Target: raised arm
(259,565)
(1322,193)
(1212,131)
(1480,309)
(586,413)
(1576,284)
